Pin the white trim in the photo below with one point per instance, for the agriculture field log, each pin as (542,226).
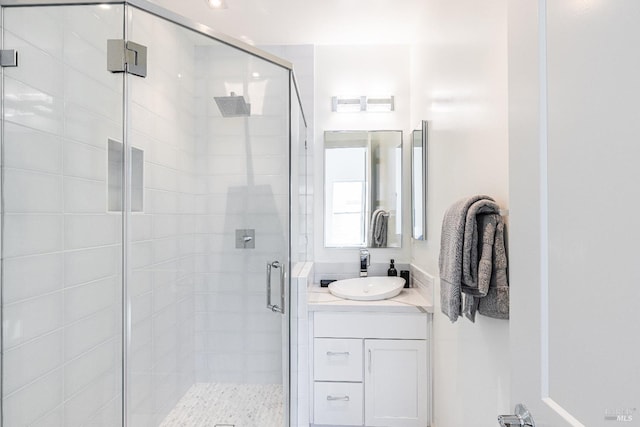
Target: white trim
(562,412)
(544,199)
(544,220)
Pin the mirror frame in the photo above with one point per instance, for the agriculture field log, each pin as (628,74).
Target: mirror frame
(425,157)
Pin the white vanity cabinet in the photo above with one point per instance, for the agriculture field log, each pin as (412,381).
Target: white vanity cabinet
(370,369)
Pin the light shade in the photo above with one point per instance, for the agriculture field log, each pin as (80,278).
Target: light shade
(385,104)
(354,104)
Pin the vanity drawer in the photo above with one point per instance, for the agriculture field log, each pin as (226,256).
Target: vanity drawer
(338,403)
(408,326)
(337,359)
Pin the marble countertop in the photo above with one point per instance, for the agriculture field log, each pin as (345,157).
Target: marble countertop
(410,300)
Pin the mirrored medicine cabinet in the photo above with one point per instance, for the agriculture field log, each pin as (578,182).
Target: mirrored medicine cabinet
(363,188)
(419,162)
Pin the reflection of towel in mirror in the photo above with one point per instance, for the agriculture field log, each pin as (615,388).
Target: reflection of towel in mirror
(473,260)
(378,229)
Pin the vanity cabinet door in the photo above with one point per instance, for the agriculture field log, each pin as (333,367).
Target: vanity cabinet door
(396,383)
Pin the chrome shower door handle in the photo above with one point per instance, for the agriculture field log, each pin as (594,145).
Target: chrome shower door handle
(274,307)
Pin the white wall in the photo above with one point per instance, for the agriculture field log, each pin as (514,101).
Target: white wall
(359,70)
(459,84)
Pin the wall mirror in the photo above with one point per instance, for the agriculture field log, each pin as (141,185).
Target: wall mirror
(419,153)
(363,188)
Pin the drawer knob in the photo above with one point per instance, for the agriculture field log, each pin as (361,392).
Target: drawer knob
(337,353)
(344,398)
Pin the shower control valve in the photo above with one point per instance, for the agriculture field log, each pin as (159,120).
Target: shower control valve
(245,239)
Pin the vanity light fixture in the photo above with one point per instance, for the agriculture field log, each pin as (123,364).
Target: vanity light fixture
(217,4)
(354,104)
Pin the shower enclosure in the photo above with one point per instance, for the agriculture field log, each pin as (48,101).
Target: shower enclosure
(152,186)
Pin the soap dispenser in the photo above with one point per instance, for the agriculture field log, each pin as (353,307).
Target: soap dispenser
(392,269)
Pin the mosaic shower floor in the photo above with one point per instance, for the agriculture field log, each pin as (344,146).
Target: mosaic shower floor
(226,405)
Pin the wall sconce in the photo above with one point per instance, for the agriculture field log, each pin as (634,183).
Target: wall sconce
(354,104)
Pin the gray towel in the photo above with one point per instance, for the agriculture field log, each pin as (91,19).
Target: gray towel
(496,303)
(471,249)
(473,260)
(451,256)
(378,229)
(486,245)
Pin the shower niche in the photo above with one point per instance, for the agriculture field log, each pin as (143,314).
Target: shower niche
(125,301)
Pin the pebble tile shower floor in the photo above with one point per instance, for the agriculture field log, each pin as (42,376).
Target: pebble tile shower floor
(239,405)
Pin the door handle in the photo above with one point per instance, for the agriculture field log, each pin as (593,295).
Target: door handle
(274,307)
(521,418)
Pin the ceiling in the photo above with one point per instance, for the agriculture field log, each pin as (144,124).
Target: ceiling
(317,22)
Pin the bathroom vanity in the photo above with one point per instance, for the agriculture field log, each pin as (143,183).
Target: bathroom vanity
(369,360)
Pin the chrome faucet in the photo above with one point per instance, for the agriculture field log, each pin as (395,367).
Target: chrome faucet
(364,262)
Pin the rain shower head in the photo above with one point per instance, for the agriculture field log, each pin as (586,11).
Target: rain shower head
(233,106)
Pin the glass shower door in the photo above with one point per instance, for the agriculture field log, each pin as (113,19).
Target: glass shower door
(161,316)
(211,124)
(61,241)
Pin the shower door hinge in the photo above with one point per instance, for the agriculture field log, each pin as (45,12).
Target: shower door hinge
(8,58)
(126,57)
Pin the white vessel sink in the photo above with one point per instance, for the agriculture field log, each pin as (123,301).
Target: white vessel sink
(367,288)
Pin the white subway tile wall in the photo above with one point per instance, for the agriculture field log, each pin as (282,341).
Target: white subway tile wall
(197,303)
(62,267)
(163,236)
(244,171)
